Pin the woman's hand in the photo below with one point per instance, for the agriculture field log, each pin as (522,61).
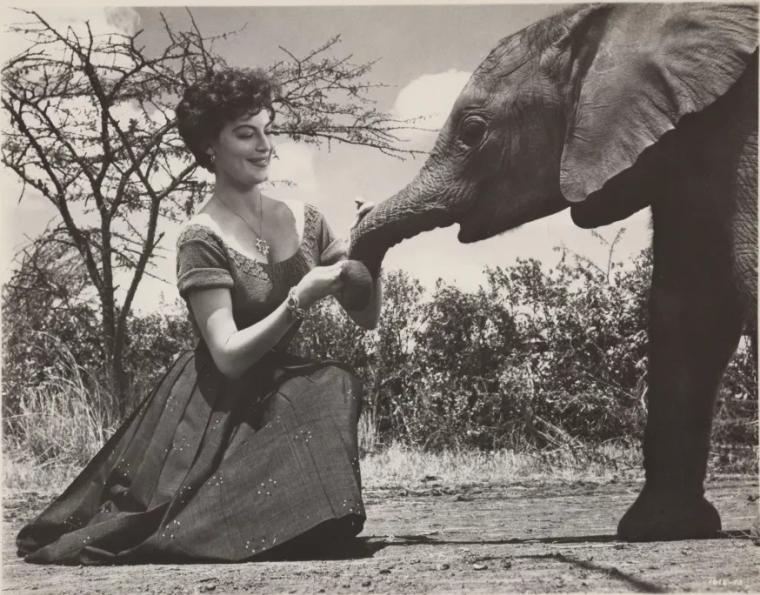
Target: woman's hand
(318,283)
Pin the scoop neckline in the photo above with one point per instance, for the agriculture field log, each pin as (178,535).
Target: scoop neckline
(261,263)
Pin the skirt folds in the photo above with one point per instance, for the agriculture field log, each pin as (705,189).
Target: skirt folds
(212,469)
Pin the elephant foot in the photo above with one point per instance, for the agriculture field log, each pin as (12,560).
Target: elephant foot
(663,515)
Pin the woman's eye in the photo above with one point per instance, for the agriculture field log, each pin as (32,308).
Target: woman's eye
(472,130)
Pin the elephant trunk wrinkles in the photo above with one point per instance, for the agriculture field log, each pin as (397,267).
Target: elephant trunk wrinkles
(406,214)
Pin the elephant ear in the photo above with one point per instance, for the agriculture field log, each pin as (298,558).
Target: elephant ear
(637,70)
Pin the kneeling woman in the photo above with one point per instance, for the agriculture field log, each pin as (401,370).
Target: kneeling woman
(242,450)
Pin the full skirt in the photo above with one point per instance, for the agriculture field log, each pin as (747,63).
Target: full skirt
(217,470)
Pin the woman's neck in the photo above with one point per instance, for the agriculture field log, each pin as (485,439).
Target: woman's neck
(243,201)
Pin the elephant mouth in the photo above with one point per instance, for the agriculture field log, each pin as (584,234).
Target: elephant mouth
(475,224)
(491,214)
(469,231)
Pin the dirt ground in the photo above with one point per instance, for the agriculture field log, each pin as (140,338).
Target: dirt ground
(434,538)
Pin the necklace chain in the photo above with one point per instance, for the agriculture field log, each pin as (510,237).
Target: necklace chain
(261,244)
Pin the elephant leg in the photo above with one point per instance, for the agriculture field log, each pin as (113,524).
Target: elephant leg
(696,319)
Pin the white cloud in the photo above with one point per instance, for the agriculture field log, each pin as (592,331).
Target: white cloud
(125,19)
(430,97)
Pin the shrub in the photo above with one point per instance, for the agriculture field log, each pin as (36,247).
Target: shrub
(535,359)
(66,417)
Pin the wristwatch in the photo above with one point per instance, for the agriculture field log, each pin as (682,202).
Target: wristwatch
(294,305)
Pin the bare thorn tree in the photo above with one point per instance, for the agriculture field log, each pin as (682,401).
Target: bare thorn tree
(93,131)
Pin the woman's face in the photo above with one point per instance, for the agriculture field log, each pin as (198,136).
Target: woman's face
(243,149)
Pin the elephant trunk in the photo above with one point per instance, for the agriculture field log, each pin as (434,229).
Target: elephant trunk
(414,209)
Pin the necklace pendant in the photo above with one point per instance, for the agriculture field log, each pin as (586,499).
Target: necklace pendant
(263,247)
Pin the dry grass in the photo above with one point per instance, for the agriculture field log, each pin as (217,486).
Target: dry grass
(22,473)
(62,424)
(58,428)
(399,465)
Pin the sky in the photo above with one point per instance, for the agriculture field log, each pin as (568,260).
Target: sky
(424,55)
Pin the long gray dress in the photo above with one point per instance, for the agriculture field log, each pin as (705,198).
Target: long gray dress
(213,469)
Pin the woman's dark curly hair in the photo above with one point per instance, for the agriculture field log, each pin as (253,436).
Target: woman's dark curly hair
(223,96)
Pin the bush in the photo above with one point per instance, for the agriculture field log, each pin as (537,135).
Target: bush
(534,359)
(154,341)
(65,418)
(70,352)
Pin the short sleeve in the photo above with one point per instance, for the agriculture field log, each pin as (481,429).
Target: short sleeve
(201,263)
(331,248)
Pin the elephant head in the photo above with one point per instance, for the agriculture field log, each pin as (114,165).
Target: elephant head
(567,112)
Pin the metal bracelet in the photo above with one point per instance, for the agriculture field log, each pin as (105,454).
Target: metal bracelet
(294,305)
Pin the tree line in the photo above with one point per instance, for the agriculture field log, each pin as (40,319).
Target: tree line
(537,357)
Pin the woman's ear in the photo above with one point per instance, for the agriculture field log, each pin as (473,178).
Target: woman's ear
(637,73)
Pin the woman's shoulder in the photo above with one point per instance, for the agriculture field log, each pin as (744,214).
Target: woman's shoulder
(202,227)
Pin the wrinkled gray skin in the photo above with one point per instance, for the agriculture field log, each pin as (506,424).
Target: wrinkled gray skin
(607,110)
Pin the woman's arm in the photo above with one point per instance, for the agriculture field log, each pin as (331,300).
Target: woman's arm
(235,350)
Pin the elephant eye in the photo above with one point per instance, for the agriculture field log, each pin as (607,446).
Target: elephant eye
(472,130)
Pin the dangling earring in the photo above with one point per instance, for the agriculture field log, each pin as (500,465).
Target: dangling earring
(211,159)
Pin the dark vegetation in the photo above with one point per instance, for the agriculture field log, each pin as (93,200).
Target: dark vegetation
(536,358)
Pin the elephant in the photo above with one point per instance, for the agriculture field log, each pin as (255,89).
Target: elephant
(608,109)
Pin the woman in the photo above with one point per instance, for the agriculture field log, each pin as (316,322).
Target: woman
(242,450)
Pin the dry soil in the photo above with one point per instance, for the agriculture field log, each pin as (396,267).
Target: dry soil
(521,537)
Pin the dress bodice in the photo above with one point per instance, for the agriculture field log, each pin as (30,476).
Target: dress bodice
(205,259)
